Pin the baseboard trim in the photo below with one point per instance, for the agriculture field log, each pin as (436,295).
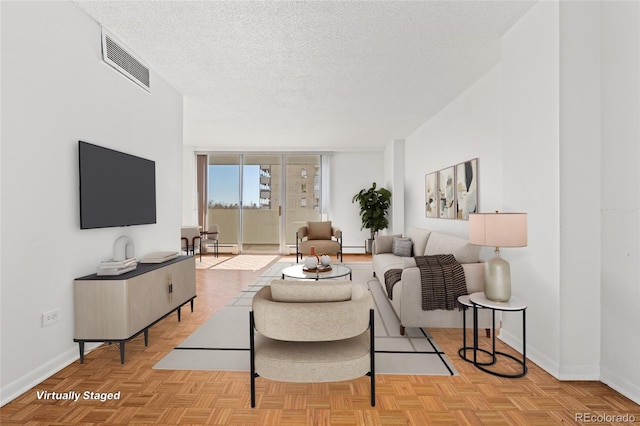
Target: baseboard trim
(583,372)
(16,388)
(541,360)
(580,372)
(621,384)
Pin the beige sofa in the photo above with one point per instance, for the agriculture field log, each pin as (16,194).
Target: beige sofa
(407,293)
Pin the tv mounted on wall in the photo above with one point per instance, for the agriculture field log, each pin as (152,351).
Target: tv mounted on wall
(116,189)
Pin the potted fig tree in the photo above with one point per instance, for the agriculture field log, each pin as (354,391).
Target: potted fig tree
(374,203)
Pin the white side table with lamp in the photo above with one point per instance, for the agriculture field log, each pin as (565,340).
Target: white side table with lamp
(498,230)
(480,301)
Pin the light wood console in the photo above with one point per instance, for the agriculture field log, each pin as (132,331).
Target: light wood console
(116,309)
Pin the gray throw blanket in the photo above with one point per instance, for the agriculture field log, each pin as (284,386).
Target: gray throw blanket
(442,282)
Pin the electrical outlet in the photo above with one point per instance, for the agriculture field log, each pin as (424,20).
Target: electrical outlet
(50,317)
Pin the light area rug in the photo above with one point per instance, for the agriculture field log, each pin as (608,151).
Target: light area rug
(207,262)
(246,262)
(222,343)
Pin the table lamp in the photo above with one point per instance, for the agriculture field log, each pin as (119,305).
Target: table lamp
(498,230)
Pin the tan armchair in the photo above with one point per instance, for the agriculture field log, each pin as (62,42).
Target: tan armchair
(321,332)
(326,238)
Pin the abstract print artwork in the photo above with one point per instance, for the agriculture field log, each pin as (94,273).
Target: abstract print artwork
(466,189)
(452,193)
(431,194)
(446,193)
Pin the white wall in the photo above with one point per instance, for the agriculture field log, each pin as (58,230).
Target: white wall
(620,192)
(469,127)
(189,187)
(351,172)
(56,91)
(394,157)
(580,174)
(531,176)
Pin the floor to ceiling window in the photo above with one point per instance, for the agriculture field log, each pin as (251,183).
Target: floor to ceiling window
(257,206)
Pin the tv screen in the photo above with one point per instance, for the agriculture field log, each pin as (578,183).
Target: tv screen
(116,189)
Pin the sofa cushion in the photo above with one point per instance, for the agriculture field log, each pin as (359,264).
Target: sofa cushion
(311,291)
(385,261)
(461,249)
(420,236)
(402,247)
(319,230)
(383,243)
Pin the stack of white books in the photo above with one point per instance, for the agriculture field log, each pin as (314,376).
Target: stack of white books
(159,257)
(117,267)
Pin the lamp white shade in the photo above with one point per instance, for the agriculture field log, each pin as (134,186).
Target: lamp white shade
(498,229)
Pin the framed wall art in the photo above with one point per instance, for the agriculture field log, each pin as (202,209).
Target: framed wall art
(446,193)
(431,194)
(452,193)
(466,189)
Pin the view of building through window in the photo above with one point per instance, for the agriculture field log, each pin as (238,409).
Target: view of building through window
(255,219)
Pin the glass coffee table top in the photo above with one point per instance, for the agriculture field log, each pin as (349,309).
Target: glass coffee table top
(298,272)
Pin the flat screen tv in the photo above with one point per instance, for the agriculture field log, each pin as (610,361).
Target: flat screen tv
(116,189)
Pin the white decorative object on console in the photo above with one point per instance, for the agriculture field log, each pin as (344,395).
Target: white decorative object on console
(123,248)
(159,257)
(124,258)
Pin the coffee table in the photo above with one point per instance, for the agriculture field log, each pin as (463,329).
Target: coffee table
(297,272)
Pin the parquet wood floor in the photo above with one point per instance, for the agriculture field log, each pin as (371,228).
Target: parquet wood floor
(222,398)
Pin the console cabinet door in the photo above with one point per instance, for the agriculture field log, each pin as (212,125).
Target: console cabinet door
(149,298)
(184,281)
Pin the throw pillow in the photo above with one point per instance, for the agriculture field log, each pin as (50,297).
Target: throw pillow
(319,230)
(383,243)
(403,247)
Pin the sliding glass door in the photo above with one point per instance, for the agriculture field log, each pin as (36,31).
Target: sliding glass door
(260,200)
(223,198)
(261,209)
(302,193)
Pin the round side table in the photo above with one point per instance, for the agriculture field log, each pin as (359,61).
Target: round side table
(480,301)
(462,352)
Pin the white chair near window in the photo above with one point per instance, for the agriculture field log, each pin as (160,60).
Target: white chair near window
(209,240)
(189,237)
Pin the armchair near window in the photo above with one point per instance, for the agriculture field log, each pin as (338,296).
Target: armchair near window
(311,333)
(189,237)
(210,240)
(326,239)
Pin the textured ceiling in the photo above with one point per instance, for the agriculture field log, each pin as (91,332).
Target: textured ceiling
(313,74)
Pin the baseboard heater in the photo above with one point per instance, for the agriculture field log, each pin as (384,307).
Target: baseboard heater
(223,248)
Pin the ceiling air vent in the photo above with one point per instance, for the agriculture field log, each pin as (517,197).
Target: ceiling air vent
(116,55)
